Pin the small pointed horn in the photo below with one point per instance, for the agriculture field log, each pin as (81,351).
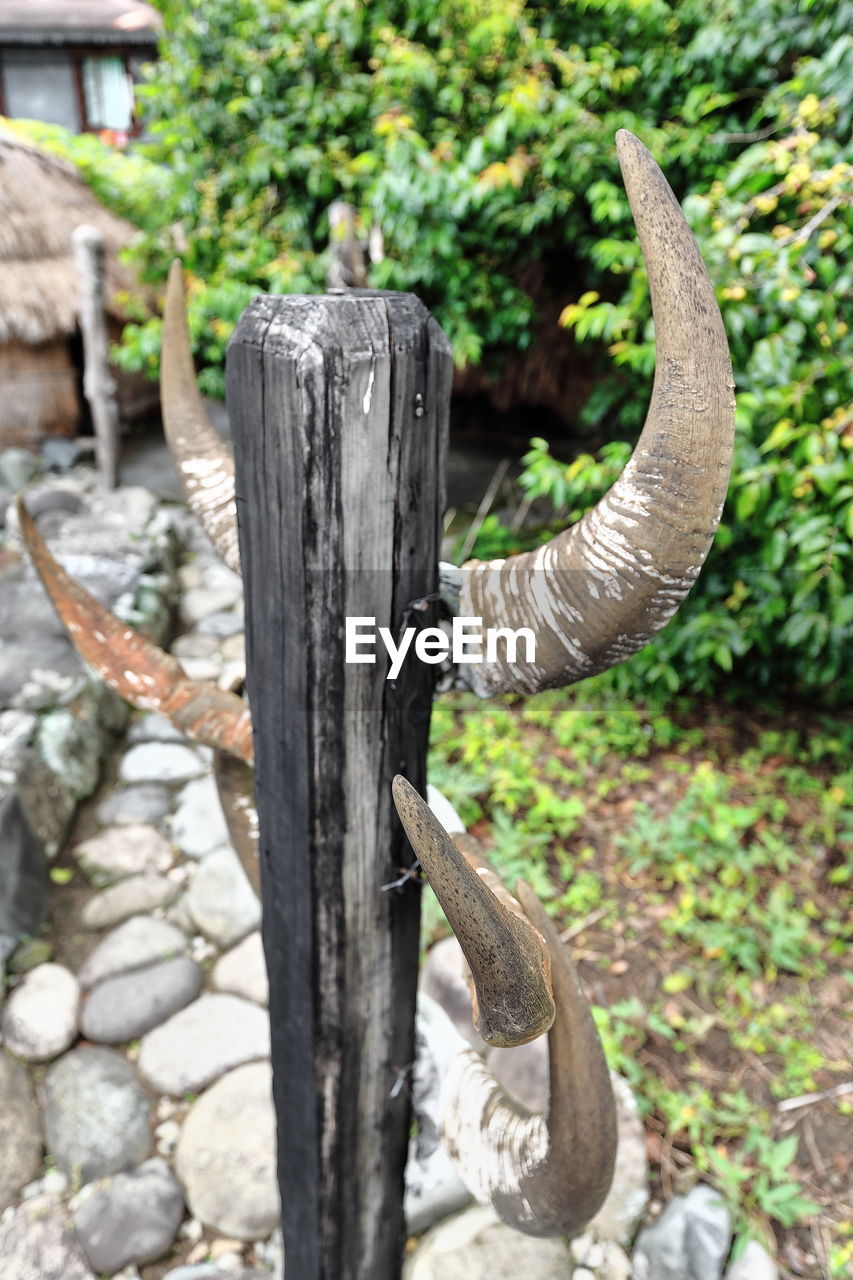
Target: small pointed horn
(234,784)
(599,591)
(205,466)
(509,962)
(543,1175)
(136,668)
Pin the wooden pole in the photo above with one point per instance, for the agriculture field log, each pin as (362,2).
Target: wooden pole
(339,411)
(98,383)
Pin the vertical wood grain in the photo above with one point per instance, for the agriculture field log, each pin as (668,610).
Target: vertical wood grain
(339,501)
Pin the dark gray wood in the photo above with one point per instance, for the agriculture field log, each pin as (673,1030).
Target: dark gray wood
(339,409)
(98,382)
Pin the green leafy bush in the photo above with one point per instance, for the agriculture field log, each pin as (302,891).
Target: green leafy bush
(775,602)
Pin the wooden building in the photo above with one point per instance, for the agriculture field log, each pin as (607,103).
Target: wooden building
(42,200)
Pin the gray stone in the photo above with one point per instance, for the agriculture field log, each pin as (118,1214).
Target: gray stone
(24,881)
(217,575)
(226,1155)
(215,1271)
(199,602)
(135,943)
(95,1113)
(17,468)
(234,648)
(476,1245)
(242,971)
(130,1218)
(125,1007)
(40,1016)
(17,728)
(221,901)
(36,1245)
(689,1241)
(198,824)
(68,746)
(20,1130)
(754,1263)
(444,977)
(130,897)
(148,802)
(433,1187)
(230,622)
(52,498)
(152,727)
(202,1042)
(118,852)
(161,762)
(194,644)
(202,669)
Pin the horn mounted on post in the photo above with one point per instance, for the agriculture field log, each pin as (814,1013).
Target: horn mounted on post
(594,595)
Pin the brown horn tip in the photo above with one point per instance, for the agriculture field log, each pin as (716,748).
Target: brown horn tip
(136,668)
(599,591)
(508,959)
(205,466)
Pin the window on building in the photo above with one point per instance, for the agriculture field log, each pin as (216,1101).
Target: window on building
(108,94)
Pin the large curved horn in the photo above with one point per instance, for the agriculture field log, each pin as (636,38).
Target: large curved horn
(509,961)
(544,1175)
(136,668)
(205,466)
(599,591)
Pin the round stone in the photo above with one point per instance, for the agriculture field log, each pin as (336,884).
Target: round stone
(40,1016)
(131,1218)
(221,901)
(125,1007)
(198,825)
(95,1113)
(118,852)
(131,897)
(149,802)
(36,1245)
(211,1036)
(476,1245)
(242,971)
(20,1130)
(226,1158)
(137,942)
(161,762)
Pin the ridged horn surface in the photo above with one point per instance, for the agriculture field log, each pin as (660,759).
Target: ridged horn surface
(545,1175)
(136,668)
(599,591)
(204,464)
(509,962)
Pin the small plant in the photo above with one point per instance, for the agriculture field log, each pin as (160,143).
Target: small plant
(758,1185)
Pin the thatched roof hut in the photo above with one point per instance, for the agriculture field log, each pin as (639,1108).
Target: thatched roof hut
(42,200)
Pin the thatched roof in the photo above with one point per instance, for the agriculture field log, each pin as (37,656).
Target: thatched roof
(119,22)
(42,200)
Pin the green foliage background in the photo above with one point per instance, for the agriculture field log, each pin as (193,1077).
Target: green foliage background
(479,135)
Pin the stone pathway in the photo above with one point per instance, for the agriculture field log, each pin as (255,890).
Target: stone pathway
(136,1125)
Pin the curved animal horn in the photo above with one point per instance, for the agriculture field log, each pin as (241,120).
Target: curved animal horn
(543,1175)
(136,668)
(509,961)
(599,591)
(205,466)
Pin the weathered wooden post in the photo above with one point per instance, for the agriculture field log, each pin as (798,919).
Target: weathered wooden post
(339,410)
(98,383)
